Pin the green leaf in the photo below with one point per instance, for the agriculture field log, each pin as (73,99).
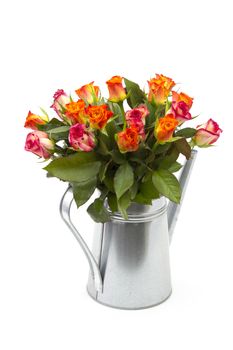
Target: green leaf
(98,212)
(186,132)
(172,139)
(104,143)
(136,95)
(53,123)
(82,191)
(167,184)
(150,119)
(115,108)
(60,133)
(111,129)
(112,202)
(140,199)
(183,147)
(118,157)
(169,159)
(140,170)
(148,190)
(103,169)
(108,181)
(176,166)
(123,204)
(78,167)
(44,112)
(123,179)
(162,148)
(134,190)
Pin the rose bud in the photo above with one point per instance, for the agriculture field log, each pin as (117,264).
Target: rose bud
(33,120)
(159,89)
(88,93)
(80,138)
(60,100)
(117,92)
(38,143)
(207,134)
(128,140)
(98,115)
(165,127)
(181,104)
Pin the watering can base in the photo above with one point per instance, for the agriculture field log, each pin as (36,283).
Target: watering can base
(93,297)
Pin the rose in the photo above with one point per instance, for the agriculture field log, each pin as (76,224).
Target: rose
(98,115)
(144,110)
(182,97)
(33,120)
(165,127)
(207,134)
(88,93)
(134,118)
(128,140)
(80,138)
(181,104)
(38,143)
(75,112)
(159,88)
(60,100)
(117,92)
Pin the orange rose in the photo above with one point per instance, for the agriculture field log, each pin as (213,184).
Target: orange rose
(181,104)
(88,92)
(165,127)
(128,140)
(98,116)
(182,97)
(75,112)
(159,88)
(116,91)
(33,120)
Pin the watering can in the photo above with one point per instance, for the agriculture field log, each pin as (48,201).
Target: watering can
(129,262)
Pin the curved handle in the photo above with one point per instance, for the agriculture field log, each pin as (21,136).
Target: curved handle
(65,207)
(173,209)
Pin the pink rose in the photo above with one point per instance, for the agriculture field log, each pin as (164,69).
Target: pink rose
(80,138)
(135,119)
(38,143)
(207,133)
(181,104)
(60,100)
(144,110)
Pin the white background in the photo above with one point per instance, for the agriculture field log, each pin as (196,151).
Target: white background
(46,45)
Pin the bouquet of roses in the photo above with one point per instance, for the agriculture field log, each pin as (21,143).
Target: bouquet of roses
(125,146)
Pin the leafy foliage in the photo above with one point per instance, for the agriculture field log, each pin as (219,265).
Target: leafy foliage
(138,174)
(77,167)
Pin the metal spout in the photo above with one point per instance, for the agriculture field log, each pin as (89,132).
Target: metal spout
(173,208)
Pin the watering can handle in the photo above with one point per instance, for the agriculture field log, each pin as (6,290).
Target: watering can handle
(173,208)
(65,207)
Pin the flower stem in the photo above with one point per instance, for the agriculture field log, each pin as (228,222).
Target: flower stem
(155,146)
(120,104)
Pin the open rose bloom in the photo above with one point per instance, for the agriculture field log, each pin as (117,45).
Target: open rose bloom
(119,144)
(207,134)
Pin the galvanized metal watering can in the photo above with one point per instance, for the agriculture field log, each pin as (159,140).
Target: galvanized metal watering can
(129,263)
